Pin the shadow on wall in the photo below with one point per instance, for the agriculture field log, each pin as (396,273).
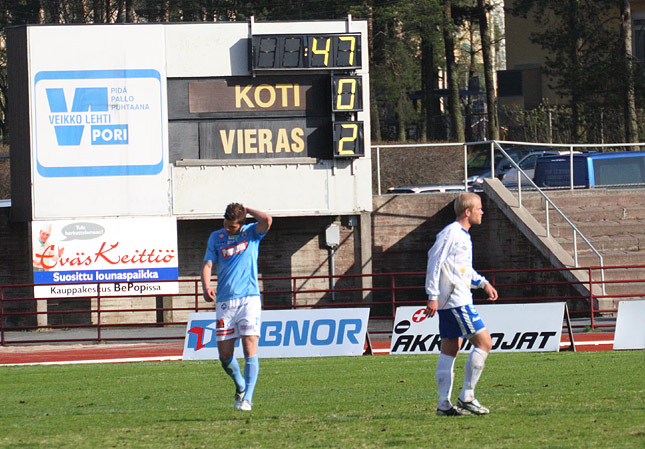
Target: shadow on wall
(405,227)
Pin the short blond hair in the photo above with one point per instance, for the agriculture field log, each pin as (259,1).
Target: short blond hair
(465,201)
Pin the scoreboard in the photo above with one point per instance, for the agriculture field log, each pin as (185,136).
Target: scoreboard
(301,100)
(181,119)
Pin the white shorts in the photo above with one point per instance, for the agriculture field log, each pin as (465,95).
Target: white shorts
(238,317)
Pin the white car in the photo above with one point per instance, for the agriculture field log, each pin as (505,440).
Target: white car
(426,189)
(527,164)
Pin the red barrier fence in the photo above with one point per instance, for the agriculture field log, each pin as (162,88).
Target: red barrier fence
(28,319)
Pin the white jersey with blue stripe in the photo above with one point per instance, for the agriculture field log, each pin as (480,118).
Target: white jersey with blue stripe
(450,275)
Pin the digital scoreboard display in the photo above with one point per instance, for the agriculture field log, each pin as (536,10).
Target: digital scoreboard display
(306,52)
(339,54)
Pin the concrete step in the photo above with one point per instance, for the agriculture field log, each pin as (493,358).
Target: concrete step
(590,213)
(599,228)
(597,197)
(604,243)
(613,258)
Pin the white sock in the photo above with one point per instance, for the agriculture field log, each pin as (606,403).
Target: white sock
(444,376)
(472,372)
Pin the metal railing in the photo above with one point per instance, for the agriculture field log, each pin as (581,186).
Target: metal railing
(497,145)
(548,202)
(19,316)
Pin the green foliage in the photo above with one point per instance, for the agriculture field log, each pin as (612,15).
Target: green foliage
(554,124)
(565,400)
(398,29)
(581,39)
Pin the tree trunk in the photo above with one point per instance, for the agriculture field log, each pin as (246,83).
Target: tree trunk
(489,71)
(454,102)
(400,122)
(631,120)
(129,11)
(577,89)
(428,83)
(470,100)
(375,120)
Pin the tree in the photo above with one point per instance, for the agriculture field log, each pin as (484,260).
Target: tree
(454,104)
(489,69)
(631,120)
(581,40)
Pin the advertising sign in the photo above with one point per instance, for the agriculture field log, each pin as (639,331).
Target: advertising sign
(287,333)
(127,256)
(513,328)
(99,122)
(630,332)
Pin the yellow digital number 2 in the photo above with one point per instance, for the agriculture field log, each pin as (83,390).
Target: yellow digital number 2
(349,139)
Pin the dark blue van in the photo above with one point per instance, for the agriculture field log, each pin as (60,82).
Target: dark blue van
(591,169)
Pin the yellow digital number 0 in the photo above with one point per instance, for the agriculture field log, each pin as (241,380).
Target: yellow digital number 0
(349,139)
(315,50)
(339,98)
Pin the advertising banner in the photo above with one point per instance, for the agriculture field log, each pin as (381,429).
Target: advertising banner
(513,328)
(630,332)
(99,121)
(287,333)
(127,256)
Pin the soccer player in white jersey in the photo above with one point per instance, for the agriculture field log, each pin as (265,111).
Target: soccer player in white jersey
(449,279)
(234,250)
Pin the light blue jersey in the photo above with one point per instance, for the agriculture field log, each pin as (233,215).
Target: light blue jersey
(236,257)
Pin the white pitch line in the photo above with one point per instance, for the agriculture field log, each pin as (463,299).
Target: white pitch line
(381,351)
(79,362)
(588,343)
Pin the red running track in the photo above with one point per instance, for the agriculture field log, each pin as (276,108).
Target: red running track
(120,353)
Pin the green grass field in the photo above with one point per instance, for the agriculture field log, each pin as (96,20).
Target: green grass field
(555,400)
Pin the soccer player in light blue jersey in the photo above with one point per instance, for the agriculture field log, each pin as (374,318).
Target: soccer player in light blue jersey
(449,279)
(234,250)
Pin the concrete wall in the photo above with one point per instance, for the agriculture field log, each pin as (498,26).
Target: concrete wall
(403,229)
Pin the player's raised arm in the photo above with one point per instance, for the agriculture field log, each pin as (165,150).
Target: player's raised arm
(264,220)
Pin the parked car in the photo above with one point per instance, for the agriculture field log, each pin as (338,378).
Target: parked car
(426,189)
(592,169)
(479,163)
(527,164)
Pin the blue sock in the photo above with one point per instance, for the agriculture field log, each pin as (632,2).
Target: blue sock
(232,368)
(251,370)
